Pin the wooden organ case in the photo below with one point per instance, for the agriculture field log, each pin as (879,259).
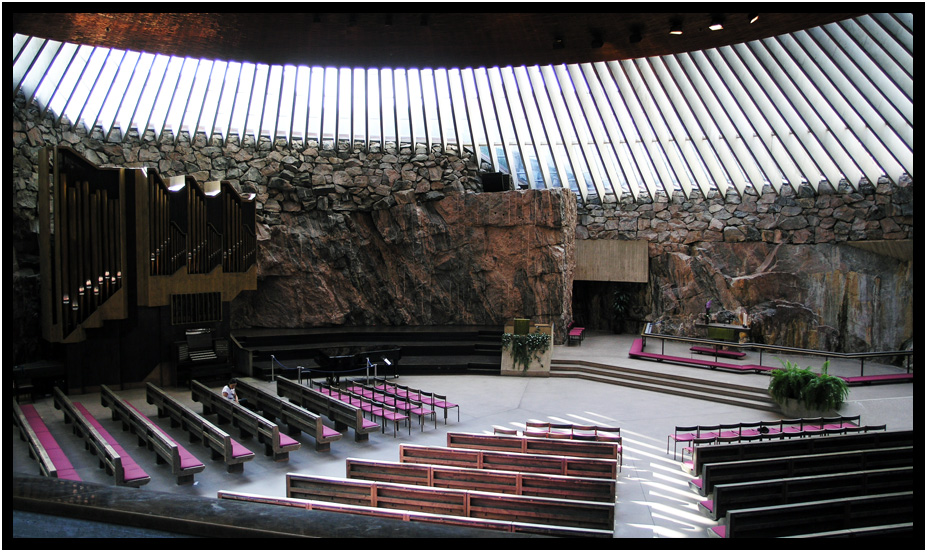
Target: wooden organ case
(134,264)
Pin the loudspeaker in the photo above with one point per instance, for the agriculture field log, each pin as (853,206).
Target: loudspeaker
(496,182)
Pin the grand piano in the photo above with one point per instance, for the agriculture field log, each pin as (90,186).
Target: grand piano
(353,360)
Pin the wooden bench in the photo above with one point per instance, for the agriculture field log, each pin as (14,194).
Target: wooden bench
(42,445)
(276,443)
(296,418)
(576,335)
(496,481)
(793,466)
(792,447)
(113,458)
(343,415)
(220,443)
(717,352)
(599,468)
(790,490)
(455,502)
(814,517)
(534,445)
(421,517)
(183,464)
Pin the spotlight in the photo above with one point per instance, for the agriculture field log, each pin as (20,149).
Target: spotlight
(717,23)
(558,43)
(753,18)
(675,28)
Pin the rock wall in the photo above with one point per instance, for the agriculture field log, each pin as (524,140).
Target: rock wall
(782,257)
(400,235)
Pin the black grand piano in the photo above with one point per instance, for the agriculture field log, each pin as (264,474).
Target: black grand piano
(353,360)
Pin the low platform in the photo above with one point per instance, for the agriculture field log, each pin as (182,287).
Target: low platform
(424,349)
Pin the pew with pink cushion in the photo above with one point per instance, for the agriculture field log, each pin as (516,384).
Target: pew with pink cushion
(220,443)
(182,463)
(42,445)
(113,458)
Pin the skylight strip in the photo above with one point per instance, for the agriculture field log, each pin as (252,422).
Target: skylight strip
(241,106)
(149,95)
(662,141)
(669,109)
(852,85)
(25,59)
(706,79)
(592,101)
(87,85)
(481,109)
(300,113)
(122,73)
(161,112)
(81,61)
(580,126)
(548,123)
(519,125)
(193,107)
(636,95)
(458,106)
(128,93)
(535,125)
(565,125)
(853,123)
(752,82)
(739,106)
(695,116)
(506,127)
(36,73)
(893,60)
(209,111)
(51,84)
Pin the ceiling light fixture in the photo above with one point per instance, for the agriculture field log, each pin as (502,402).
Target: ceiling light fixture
(753,18)
(675,28)
(558,43)
(717,23)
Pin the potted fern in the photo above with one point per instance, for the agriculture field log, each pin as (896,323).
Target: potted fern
(801,393)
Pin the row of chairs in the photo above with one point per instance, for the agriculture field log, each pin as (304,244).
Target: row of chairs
(691,436)
(431,399)
(564,431)
(372,407)
(408,404)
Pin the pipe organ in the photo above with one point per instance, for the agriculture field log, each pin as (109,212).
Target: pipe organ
(129,248)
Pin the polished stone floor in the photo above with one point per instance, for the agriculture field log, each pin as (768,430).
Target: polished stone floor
(653,498)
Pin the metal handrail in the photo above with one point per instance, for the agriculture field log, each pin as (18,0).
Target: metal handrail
(780,348)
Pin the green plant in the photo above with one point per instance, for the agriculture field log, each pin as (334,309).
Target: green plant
(815,391)
(526,347)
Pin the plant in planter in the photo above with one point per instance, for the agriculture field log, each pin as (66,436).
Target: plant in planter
(526,347)
(793,387)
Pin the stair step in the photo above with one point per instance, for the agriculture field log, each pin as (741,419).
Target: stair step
(738,395)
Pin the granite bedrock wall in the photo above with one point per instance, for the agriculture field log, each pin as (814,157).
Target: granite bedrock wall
(403,236)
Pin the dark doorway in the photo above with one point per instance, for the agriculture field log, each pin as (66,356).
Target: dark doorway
(610,306)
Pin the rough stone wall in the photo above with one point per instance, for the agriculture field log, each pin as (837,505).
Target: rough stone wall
(353,236)
(781,257)
(399,236)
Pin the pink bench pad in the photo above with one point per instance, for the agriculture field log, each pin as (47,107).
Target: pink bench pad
(62,465)
(130,468)
(187,460)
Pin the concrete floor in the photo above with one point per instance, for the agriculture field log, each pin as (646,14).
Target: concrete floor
(653,498)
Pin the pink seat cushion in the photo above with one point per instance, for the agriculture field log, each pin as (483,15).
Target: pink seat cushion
(709,504)
(239,450)
(187,460)
(287,441)
(368,424)
(131,469)
(329,432)
(719,530)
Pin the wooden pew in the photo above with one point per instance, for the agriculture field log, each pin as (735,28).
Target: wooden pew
(456,502)
(791,447)
(276,443)
(183,464)
(599,468)
(42,445)
(113,458)
(533,445)
(790,490)
(496,481)
(296,418)
(220,443)
(420,517)
(814,517)
(344,415)
(806,464)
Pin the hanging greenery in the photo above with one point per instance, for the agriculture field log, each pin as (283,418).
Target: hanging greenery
(525,347)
